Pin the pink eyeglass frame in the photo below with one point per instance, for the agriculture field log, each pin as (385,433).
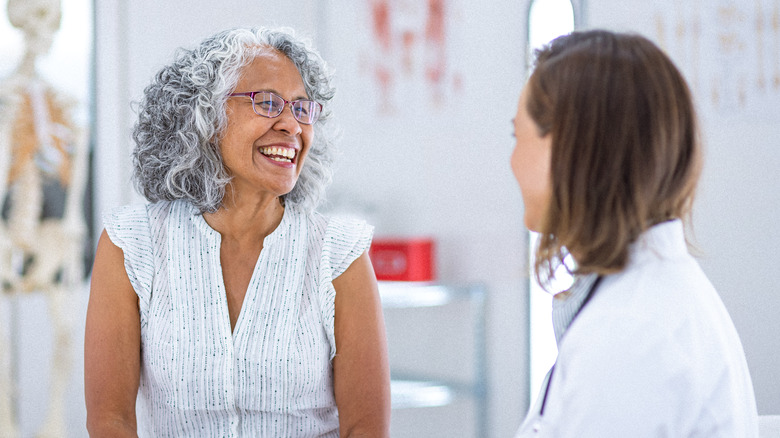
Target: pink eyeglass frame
(251,96)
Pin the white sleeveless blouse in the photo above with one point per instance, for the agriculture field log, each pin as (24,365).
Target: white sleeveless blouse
(270,377)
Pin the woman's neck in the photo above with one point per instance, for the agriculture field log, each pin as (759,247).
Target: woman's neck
(246,221)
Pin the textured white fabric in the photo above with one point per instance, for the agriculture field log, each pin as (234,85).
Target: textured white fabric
(653,354)
(271,377)
(565,309)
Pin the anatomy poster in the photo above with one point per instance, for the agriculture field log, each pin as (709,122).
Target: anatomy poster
(405,52)
(729,51)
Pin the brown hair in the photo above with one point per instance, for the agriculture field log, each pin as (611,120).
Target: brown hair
(625,146)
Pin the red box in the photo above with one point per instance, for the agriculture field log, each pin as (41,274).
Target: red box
(403,259)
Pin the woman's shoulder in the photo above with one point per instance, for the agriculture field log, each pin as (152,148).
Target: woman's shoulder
(143,213)
(668,306)
(126,218)
(326,227)
(315,221)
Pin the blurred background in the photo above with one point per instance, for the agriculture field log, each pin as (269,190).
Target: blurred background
(426,91)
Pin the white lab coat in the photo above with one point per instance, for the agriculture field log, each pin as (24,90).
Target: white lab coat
(653,354)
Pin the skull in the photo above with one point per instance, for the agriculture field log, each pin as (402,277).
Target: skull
(39,20)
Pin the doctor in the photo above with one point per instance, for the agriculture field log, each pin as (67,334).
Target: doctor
(607,157)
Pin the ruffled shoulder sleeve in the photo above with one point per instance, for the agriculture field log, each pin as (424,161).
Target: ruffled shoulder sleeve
(345,239)
(128,227)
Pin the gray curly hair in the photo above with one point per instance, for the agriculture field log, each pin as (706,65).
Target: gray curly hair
(182,117)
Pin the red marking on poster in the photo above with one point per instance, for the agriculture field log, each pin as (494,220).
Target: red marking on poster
(434,28)
(435,36)
(381,14)
(408,49)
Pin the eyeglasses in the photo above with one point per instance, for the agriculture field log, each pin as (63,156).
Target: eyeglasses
(271,105)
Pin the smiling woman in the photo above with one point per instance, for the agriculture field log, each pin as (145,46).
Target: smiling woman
(268,311)
(280,140)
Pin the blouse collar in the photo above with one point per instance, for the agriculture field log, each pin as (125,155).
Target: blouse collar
(276,235)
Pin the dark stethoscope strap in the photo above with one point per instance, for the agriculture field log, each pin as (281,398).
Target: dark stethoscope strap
(552,370)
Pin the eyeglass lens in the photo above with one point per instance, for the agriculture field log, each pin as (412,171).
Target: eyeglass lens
(268,104)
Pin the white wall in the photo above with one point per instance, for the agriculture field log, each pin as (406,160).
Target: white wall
(729,54)
(427,164)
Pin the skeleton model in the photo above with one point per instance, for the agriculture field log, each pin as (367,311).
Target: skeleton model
(39,146)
